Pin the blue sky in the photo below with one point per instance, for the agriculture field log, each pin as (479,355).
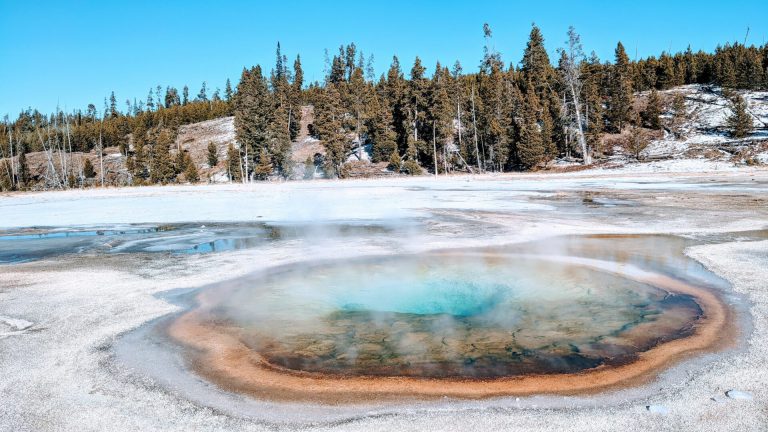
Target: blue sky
(72,53)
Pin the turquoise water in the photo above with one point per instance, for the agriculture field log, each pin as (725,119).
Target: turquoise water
(475,314)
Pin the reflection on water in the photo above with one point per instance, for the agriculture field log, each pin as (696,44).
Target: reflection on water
(30,244)
(479,315)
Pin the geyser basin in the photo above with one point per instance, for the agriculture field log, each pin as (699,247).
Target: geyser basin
(470,323)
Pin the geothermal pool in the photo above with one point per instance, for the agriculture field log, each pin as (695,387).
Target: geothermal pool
(562,315)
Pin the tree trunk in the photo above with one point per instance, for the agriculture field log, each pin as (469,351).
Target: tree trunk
(582,140)
(474,126)
(434,146)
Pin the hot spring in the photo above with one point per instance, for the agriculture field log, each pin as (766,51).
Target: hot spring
(468,323)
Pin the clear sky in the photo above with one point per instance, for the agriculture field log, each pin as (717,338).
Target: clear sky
(72,53)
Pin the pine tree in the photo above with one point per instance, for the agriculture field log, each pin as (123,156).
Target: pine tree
(113,106)
(416,108)
(381,134)
(172,97)
(395,162)
(739,123)
(395,98)
(150,102)
(234,167)
(620,102)
(279,140)
(161,166)
(139,169)
(202,95)
(592,93)
(538,76)
(88,170)
(213,155)
(328,123)
(651,115)
(185,95)
(298,75)
(263,168)
(228,91)
(679,115)
(638,138)
(191,173)
(535,67)
(254,113)
(530,148)
(691,65)
(23,173)
(441,111)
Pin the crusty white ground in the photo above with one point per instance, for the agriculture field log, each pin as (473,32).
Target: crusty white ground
(59,373)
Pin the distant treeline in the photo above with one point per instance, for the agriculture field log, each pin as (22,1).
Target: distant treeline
(500,117)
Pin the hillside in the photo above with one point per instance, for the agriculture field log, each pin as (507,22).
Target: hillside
(704,140)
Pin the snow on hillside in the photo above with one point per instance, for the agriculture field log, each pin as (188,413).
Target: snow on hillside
(705,128)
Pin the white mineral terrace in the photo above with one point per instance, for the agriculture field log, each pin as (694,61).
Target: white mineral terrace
(77,322)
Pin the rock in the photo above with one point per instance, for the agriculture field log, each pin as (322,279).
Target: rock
(657,409)
(738,394)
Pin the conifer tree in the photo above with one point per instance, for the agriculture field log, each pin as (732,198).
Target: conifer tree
(150,102)
(592,92)
(394,90)
(381,134)
(23,173)
(161,166)
(228,91)
(113,105)
(234,167)
(441,111)
(535,67)
(213,155)
(254,113)
(172,97)
(88,170)
(679,115)
(279,140)
(620,102)
(395,162)
(740,122)
(139,169)
(263,168)
(537,76)
(191,173)
(530,148)
(638,139)
(202,95)
(185,96)
(416,108)
(298,75)
(651,115)
(328,123)
(691,66)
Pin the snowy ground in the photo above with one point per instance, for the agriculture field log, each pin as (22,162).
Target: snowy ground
(60,317)
(708,110)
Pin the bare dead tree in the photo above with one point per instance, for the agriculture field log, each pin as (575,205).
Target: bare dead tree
(50,175)
(101,153)
(573,58)
(474,126)
(13,162)
(434,146)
